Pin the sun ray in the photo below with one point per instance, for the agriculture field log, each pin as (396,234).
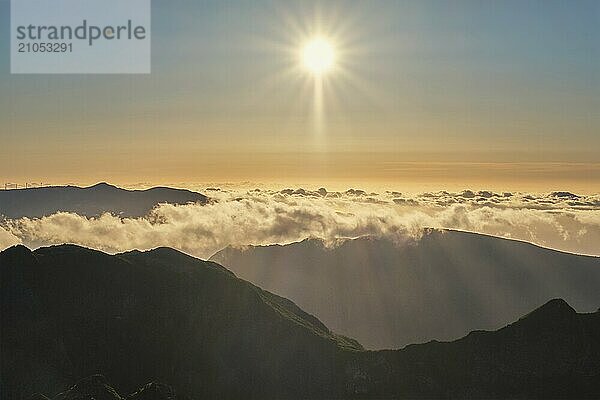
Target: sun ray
(319,49)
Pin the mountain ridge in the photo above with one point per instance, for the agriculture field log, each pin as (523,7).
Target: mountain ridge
(478,281)
(341,240)
(69,312)
(90,201)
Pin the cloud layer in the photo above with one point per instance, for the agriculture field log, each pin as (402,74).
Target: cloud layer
(559,220)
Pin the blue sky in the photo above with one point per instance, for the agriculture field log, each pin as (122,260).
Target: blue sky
(436,80)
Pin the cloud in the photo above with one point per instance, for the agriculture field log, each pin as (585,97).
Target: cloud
(259,217)
(7,239)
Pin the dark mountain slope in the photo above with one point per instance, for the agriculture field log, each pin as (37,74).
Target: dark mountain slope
(90,201)
(551,353)
(68,312)
(440,286)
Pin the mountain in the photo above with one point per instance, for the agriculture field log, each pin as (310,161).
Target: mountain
(90,201)
(97,387)
(551,353)
(68,312)
(440,286)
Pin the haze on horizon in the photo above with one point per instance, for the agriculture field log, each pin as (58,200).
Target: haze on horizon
(425,94)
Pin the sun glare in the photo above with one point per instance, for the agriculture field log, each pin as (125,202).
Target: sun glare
(318,56)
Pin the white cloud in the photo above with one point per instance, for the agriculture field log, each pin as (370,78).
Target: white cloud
(7,239)
(562,221)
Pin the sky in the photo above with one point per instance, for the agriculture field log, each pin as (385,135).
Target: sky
(425,94)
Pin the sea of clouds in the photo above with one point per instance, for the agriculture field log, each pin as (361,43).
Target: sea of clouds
(239,217)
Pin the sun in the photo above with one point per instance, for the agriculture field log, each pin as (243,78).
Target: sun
(318,56)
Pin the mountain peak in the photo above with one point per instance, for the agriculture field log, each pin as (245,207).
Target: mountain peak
(103,185)
(556,305)
(94,387)
(553,311)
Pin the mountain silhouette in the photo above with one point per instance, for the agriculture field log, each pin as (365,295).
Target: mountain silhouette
(440,286)
(97,387)
(90,201)
(68,313)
